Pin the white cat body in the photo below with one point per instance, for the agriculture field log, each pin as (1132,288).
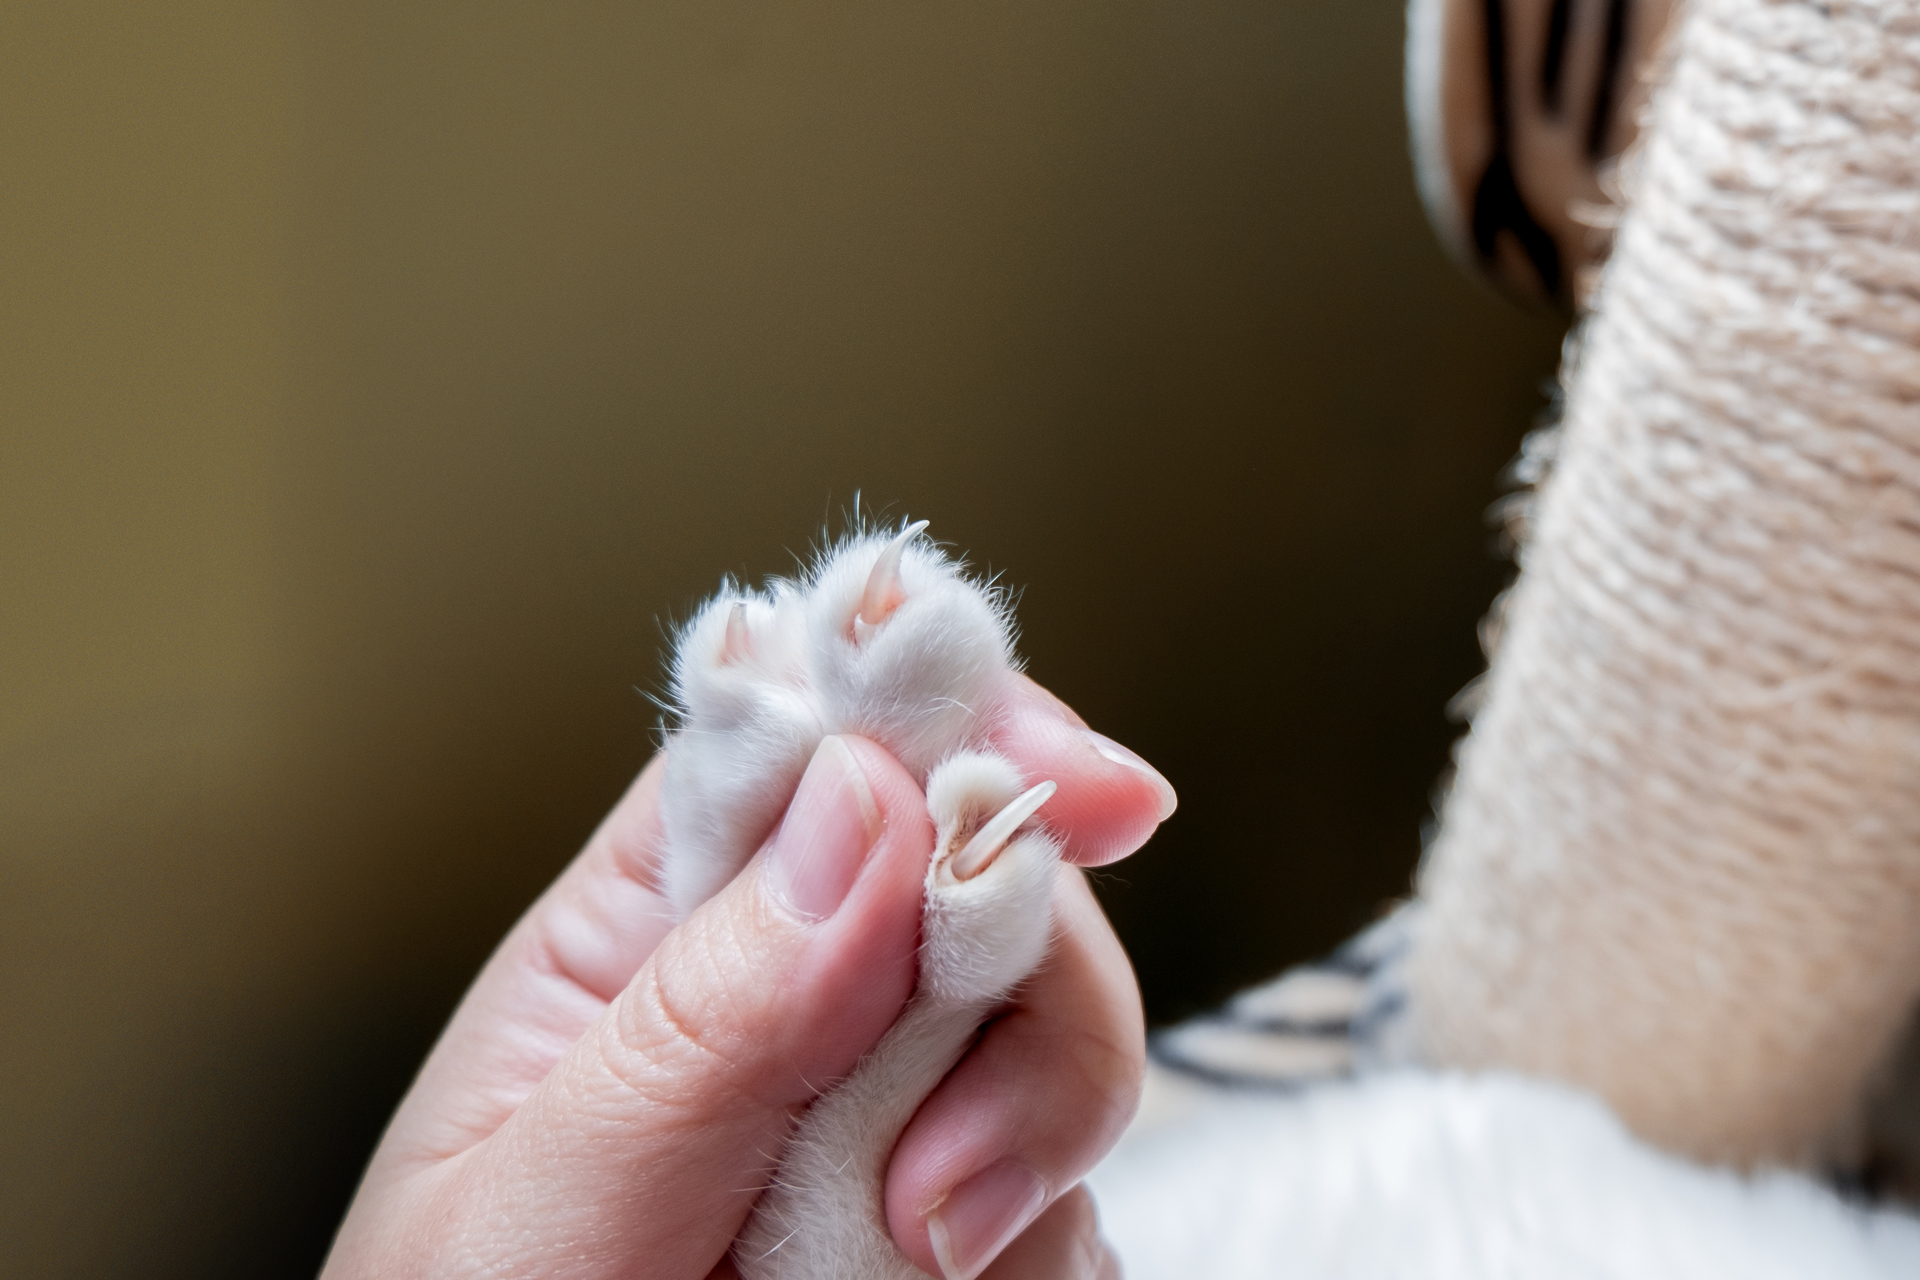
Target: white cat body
(1425,1175)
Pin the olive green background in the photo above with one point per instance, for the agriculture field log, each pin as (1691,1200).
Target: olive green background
(379,379)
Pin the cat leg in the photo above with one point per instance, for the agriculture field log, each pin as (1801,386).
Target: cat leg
(989,895)
(886,638)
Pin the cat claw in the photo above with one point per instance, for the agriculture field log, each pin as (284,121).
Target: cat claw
(991,838)
(739,641)
(883,593)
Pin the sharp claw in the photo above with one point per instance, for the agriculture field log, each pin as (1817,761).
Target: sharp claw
(739,641)
(883,594)
(991,838)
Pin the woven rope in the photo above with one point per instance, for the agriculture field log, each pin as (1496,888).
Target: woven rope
(1680,863)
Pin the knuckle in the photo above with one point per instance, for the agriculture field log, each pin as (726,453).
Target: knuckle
(675,1039)
(1110,1073)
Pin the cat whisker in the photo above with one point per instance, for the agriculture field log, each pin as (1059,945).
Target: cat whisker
(783,1239)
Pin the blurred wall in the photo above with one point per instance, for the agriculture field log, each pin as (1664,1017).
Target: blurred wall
(379,379)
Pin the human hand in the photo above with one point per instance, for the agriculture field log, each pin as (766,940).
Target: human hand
(613,1092)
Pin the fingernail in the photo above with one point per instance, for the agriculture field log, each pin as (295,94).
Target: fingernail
(981,1216)
(1121,756)
(829,829)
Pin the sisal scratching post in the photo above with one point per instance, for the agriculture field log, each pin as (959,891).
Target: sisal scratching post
(1680,863)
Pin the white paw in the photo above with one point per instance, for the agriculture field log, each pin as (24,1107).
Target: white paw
(886,638)
(989,884)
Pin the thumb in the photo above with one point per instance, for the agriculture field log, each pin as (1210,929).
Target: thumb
(652,1137)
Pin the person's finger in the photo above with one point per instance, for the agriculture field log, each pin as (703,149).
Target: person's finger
(581,943)
(1063,1244)
(1109,801)
(1032,1107)
(573,951)
(652,1136)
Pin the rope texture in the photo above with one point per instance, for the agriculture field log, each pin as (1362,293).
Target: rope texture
(1680,861)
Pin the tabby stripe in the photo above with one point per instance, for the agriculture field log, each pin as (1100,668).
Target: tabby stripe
(1607,86)
(1554,61)
(1497,203)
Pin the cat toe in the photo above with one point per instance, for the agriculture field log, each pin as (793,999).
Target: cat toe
(908,651)
(990,886)
(748,724)
(885,637)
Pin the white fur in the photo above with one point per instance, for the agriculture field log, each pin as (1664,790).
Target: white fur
(1429,1176)
(925,684)
(824,1217)
(747,729)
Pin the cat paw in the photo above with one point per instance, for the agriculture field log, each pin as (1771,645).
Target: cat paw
(885,637)
(989,887)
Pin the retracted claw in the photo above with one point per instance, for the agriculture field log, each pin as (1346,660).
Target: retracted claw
(883,594)
(990,839)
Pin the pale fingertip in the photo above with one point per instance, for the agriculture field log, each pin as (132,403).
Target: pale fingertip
(1064,1243)
(1169,800)
(981,1216)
